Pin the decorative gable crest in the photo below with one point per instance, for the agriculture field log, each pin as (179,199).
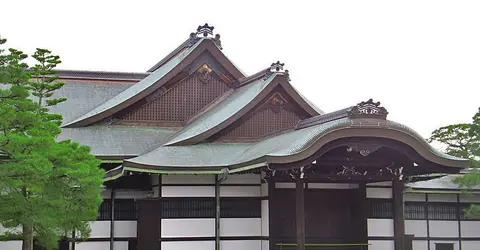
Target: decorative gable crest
(368,109)
(204,31)
(277,67)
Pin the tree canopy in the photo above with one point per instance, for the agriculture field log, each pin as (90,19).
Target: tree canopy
(48,188)
(463,140)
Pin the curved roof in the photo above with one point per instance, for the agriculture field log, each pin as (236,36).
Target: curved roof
(288,147)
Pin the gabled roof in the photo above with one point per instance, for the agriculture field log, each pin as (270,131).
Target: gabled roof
(155,80)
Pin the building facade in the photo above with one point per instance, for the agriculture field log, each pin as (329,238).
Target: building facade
(200,156)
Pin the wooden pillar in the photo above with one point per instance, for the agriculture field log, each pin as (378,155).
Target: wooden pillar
(272,239)
(217,213)
(300,212)
(398,214)
(360,213)
(112,219)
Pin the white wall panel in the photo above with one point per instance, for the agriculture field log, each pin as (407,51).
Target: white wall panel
(243,179)
(470,245)
(120,245)
(240,191)
(440,228)
(103,245)
(240,227)
(470,198)
(240,245)
(188,191)
(125,194)
(470,228)
(264,189)
(284,185)
(385,193)
(11,245)
(265,245)
(381,245)
(100,229)
(125,228)
(380,227)
(188,245)
(265,218)
(420,245)
(188,227)
(383,183)
(414,197)
(442,198)
(332,185)
(188,179)
(416,227)
(455,246)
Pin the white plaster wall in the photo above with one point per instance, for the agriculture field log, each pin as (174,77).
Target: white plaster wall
(383,183)
(470,245)
(188,227)
(440,228)
(240,227)
(284,185)
(93,245)
(240,245)
(414,197)
(100,229)
(125,229)
(420,245)
(385,193)
(470,198)
(188,191)
(381,245)
(11,245)
(416,227)
(188,179)
(332,185)
(380,227)
(442,198)
(243,179)
(240,191)
(264,189)
(188,245)
(470,229)
(265,245)
(455,246)
(125,194)
(265,219)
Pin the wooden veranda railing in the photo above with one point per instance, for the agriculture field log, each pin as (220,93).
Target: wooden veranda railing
(339,246)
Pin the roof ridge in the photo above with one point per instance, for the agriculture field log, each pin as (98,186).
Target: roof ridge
(320,119)
(103,75)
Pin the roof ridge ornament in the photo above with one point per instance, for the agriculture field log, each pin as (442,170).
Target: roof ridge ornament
(368,109)
(277,67)
(205,31)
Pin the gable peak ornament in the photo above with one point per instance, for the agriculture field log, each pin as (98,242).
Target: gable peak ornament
(205,31)
(277,67)
(368,109)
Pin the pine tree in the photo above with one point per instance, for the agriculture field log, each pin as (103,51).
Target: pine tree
(48,188)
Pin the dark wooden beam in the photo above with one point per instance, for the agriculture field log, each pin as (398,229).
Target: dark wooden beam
(112,219)
(300,212)
(271,214)
(398,214)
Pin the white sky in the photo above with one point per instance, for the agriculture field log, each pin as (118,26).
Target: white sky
(420,58)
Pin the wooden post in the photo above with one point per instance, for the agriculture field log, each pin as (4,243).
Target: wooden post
(271,214)
(398,214)
(300,212)
(217,213)
(112,219)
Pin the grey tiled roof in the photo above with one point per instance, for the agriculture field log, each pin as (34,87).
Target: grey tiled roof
(116,140)
(140,86)
(100,75)
(445,182)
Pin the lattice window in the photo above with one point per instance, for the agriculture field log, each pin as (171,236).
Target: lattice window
(415,211)
(188,208)
(380,209)
(444,246)
(125,209)
(240,208)
(262,123)
(442,211)
(181,101)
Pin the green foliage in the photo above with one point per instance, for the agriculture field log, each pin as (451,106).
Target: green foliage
(47,186)
(463,140)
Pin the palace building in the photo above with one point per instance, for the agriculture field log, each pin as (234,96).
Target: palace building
(200,156)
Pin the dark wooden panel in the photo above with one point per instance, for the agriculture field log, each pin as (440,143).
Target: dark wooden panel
(148,225)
